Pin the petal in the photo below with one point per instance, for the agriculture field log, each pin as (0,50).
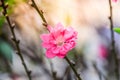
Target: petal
(56,34)
(47,45)
(61,55)
(45,37)
(49,54)
(103,51)
(69,46)
(59,26)
(55,50)
(70,34)
(114,0)
(63,51)
(50,28)
(72,43)
(58,30)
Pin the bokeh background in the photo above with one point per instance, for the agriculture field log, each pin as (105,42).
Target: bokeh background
(92,55)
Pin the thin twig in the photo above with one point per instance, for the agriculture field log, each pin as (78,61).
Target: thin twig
(11,26)
(53,72)
(39,11)
(113,42)
(77,75)
(66,73)
(98,72)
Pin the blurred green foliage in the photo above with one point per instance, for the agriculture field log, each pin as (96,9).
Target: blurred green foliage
(11,4)
(2,19)
(6,50)
(117,30)
(71,54)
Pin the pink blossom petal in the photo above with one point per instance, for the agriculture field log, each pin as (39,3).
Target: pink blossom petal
(103,51)
(114,0)
(70,34)
(63,51)
(50,28)
(55,50)
(72,44)
(56,34)
(49,54)
(58,30)
(59,26)
(61,55)
(69,46)
(45,37)
(47,45)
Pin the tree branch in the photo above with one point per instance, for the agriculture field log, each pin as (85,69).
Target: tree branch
(113,42)
(12,26)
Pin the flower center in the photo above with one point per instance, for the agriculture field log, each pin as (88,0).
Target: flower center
(60,41)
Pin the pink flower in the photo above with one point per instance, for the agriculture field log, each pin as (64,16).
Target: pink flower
(59,41)
(103,51)
(114,0)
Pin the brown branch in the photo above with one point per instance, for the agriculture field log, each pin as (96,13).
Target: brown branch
(77,75)
(12,26)
(113,42)
(53,72)
(39,11)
